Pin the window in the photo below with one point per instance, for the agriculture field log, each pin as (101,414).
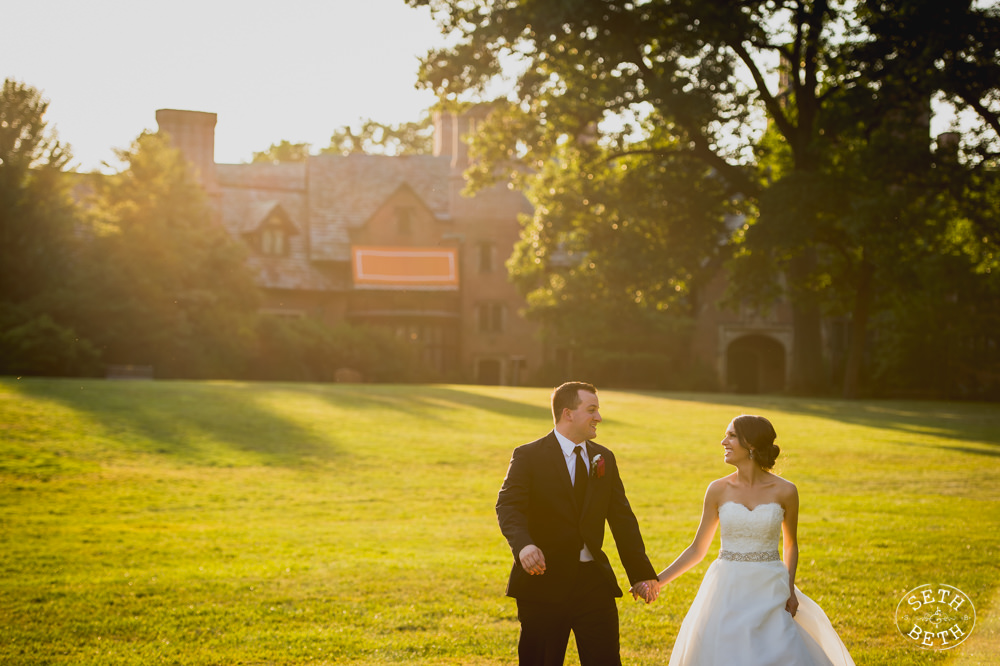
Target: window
(272,241)
(491,317)
(486,252)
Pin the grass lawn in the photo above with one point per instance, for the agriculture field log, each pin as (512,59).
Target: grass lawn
(250,523)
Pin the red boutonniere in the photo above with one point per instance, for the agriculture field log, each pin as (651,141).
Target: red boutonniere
(597,466)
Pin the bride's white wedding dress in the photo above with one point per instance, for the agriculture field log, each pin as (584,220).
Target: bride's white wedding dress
(738,617)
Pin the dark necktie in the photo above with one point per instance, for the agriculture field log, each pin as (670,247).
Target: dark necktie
(580,478)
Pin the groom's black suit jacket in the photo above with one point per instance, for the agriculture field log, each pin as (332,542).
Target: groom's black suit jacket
(536,506)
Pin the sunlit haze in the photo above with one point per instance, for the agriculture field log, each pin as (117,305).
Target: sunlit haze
(294,70)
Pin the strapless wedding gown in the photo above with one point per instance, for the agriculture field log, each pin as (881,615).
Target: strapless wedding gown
(738,617)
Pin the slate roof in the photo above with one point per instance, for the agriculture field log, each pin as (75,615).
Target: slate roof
(325,197)
(344,192)
(291,176)
(248,193)
(259,211)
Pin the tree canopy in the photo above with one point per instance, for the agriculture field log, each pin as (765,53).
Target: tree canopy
(37,241)
(285,151)
(369,137)
(375,138)
(808,120)
(134,268)
(168,287)
(35,210)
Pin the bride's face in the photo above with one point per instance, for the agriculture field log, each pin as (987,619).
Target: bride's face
(734,451)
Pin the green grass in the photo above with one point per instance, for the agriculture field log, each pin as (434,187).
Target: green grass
(242,523)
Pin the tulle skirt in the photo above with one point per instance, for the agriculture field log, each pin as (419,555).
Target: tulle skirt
(738,618)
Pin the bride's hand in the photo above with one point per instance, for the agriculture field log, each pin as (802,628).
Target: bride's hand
(652,590)
(792,605)
(647,589)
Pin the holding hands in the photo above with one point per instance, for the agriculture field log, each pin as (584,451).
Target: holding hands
(533,562)
(647,589)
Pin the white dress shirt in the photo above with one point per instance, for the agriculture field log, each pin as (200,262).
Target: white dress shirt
(567,449)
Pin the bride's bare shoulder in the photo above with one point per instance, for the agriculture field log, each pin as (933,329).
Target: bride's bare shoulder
(718,487)
(785,489)
(725,482)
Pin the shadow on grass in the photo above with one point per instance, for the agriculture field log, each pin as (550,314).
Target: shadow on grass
(190,420)
(967,422)
(419,401)
(489,403)
(198,421)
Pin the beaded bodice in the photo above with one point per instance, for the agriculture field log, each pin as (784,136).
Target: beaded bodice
(746,531)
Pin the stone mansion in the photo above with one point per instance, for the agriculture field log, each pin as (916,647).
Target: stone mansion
(392,242)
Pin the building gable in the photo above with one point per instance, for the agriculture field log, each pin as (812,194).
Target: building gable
(268,228)
(402,220)
(346,193)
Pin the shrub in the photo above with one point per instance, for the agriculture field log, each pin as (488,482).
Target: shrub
(40,346)
(302,349)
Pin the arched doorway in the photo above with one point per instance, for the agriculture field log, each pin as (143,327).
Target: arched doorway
(755,364)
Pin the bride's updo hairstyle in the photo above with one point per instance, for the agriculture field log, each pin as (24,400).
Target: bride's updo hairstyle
(757,434)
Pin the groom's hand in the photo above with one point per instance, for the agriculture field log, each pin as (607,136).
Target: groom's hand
(532,559)
(647,589)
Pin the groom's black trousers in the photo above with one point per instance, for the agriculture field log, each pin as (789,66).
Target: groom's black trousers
(589,611)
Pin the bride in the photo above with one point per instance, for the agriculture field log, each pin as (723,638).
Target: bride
(748,610)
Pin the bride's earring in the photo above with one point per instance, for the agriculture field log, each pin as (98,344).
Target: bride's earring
(751,454)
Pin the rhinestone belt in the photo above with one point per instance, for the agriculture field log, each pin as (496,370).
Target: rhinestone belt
(760,556)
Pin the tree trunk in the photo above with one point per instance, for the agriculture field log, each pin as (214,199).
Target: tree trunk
(859,330)
(807,375)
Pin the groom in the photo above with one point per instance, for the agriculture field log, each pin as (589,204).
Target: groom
(559,492)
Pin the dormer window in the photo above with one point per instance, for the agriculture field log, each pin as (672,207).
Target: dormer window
(269,230)
(273,241)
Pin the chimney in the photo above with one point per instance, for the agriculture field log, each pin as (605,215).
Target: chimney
(444,133)
(466,125)
(193,133)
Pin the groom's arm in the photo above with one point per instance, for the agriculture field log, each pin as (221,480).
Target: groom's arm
(625,528)
(514,503)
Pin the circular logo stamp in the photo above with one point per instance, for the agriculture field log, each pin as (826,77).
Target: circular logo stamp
(935,616)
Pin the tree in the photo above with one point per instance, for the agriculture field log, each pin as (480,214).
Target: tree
(374,138)
(370,137)
(283,152)
(939,315)
(36,214)
(883,196)
(166,286)
(38,261)
(719,84)
(630,276)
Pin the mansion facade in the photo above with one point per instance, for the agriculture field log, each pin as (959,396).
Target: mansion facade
(385,241)
(392,242)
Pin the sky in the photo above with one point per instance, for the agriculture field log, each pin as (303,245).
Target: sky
(293,70)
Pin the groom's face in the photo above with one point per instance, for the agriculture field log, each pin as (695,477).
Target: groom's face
(582,421)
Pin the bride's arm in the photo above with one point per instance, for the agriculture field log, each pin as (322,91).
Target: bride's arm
(696,552)
(790,541)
